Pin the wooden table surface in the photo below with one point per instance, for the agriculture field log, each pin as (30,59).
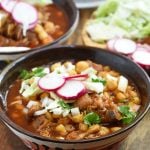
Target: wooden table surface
(139,139)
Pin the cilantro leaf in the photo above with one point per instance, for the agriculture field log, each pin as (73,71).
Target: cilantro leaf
(128,118)
(92,118)
(25,74)
(123,100)
(37,72)
(127,115)
(64,105)
(99,80)
(124,109)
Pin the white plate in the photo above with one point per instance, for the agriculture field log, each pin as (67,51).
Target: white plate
(87,3)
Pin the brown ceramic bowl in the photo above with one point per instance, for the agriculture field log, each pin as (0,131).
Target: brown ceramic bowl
(69,8)
(47,55)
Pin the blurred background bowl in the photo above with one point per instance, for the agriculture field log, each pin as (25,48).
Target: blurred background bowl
(69,8)
(46,55)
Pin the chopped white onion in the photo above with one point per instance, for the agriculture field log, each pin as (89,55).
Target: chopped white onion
(54,96)
(66,112)
(33,69)
(122,84)
(94,86)
(75,111)
(89,71)
(111,78)
(52,105)
(57,111)
(24,86)
(46,70)
(36,79)
(46,102)
(40,112)
(94,76)
(61,70)
(25,110)
(31,103)
(70,66)
(134,107)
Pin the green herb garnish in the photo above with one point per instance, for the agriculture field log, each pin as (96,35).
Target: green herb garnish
(25,74)
(99,80)
(37,72)
(64,105)
(58,72)
(127,115)
(123,100)
(92,118)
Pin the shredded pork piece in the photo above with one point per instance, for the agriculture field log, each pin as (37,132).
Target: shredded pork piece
(40,122)
(105,106)
(33,109)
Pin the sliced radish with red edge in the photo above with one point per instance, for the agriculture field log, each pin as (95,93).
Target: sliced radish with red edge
(31,26)
(78,77)
(25,14)
(8,5)
(51,82)
(125,46)
(142,57)
(110,44)
(71,89)
(143,47)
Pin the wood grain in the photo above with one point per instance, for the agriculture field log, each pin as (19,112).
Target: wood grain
(139,139)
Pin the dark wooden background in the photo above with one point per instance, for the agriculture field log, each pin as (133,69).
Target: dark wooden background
(139,139)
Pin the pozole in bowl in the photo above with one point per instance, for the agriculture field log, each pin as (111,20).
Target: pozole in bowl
(47,55)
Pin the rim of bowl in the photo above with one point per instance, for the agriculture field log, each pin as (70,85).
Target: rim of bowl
(19,129)
(59,40)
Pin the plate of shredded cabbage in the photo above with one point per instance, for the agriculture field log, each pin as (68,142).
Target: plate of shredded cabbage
(119,18)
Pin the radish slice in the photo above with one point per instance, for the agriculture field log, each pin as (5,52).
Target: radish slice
(8,5)
(78,77)
(110,44)
(71,89)
(142,57)
(51,82)
(25,14)
(31,26)
(143,47)
(125,46)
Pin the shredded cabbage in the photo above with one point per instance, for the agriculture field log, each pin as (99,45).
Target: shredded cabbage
(29,87)
(120,18)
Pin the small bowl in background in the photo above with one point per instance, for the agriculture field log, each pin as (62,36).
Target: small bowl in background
(69,8)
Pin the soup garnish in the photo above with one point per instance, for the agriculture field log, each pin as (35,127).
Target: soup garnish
(72,100)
